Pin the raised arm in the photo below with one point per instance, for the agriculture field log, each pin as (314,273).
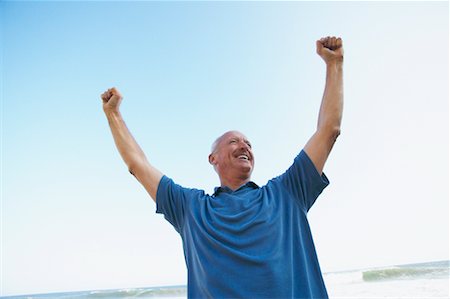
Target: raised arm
(128,148)
(329,124)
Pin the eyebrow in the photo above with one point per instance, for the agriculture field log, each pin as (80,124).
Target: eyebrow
(237,138)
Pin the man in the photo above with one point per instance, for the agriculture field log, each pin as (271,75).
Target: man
(246,241)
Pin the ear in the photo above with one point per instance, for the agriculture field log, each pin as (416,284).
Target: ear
(212,159)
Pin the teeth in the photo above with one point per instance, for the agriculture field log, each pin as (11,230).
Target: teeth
(243,157)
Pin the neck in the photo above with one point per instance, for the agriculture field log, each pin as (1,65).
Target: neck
(234,183)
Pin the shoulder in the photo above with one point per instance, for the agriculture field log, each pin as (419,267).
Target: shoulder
(167,186)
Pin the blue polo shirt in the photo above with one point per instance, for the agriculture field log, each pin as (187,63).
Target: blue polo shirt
(254,242)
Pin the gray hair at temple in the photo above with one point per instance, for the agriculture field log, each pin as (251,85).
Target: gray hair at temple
(216,142)
(214,145)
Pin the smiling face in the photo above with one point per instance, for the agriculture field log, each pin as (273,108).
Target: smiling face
(232,157)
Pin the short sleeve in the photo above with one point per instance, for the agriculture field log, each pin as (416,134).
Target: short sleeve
(171,201)
(303,180)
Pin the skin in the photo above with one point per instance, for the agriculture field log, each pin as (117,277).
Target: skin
(328,129)
(226,157)
(128,148)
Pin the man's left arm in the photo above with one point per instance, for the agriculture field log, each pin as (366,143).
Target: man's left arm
(329,124)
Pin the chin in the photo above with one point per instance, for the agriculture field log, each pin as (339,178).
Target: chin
(248,173)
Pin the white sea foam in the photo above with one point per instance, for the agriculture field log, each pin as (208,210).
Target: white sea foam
(425,280)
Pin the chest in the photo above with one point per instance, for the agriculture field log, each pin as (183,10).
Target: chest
(261,214)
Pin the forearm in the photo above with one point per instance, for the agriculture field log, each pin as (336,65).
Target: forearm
(330,114)
(128,148)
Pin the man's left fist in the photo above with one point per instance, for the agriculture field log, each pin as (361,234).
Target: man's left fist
(330,49)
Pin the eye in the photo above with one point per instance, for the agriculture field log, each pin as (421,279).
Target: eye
(233,141)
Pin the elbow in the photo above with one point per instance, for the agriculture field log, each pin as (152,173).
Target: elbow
(335,132)
(136,167)
(132,168)
(333,135)
(331,132)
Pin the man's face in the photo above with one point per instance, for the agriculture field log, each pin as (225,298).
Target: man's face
(232,156)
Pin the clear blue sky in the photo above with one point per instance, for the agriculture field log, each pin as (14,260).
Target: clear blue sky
(72,216)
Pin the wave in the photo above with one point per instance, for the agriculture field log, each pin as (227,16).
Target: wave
(431,270)
(413,271)
(174,291)
(168,292)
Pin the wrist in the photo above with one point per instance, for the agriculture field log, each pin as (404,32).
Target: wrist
(335,63)
(335,66)
(112,113)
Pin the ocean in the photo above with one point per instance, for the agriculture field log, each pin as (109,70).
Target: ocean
(423,280)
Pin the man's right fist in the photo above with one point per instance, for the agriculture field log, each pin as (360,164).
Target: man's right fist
(111,99)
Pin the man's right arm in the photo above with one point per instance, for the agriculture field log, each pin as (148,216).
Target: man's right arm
(131,153)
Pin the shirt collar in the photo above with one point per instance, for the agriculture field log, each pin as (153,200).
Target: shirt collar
(226,189)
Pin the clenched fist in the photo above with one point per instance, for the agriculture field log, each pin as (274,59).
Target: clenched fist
(111,100)
(330,49)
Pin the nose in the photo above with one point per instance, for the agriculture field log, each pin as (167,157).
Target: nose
(243,145)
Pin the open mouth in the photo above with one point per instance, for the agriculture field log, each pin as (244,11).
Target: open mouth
(244,157)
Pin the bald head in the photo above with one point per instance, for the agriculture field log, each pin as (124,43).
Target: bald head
(224,136)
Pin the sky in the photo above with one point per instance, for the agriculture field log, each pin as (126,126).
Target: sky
(73,218)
